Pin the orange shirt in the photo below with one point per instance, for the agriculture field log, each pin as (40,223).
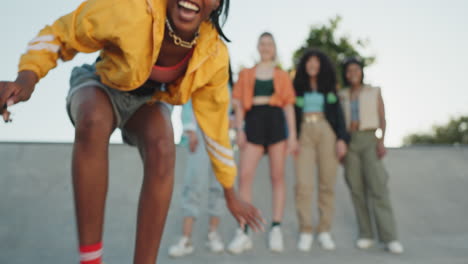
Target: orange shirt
(283,88)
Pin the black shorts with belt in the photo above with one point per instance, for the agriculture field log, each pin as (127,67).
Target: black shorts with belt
(265,125)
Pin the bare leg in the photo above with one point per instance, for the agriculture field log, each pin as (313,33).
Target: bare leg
(277,155)
(94,123)
(250,156)
(188,226)
(214,223)
(151,125)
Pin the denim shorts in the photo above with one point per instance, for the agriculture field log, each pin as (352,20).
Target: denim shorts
(124,104)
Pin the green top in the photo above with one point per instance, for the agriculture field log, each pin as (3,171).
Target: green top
(263,88)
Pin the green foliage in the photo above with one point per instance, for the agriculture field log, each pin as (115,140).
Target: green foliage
(455,132)
(325,38)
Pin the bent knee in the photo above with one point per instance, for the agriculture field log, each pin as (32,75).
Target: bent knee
(159,148)
(93,126)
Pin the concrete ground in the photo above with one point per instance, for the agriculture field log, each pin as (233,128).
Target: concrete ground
(428,187)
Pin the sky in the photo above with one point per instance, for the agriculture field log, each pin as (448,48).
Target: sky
(421,50)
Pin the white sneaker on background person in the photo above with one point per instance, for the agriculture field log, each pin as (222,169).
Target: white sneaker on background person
(395,247)
(182,248)
(326,241)
(305,242)
(364,243)
(214,243)
(240,243)
(275,241)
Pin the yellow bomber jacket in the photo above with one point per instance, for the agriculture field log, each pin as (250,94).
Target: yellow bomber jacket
(129,35)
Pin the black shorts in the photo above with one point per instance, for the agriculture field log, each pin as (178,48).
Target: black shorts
(265,125)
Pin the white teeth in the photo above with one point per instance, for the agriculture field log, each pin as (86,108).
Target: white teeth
(189,6)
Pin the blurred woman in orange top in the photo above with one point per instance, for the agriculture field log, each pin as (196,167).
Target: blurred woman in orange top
(263,99)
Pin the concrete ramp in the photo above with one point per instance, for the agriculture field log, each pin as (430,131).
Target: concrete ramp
(429,188)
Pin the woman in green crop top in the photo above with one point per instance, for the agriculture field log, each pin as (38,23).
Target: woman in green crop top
(263,102)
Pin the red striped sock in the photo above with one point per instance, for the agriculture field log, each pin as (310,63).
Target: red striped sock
(91,254)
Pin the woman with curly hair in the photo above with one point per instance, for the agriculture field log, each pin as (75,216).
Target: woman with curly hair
(322,144)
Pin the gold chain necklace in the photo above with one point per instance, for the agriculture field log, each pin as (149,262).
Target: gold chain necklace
(179,41)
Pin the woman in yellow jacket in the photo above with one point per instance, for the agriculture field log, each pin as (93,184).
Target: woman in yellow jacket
(153,53)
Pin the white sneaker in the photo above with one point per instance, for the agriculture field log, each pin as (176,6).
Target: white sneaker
(275,241)
(364,243)
(305,242)
(214,243)
(395,247)
(326,241)
(183,248)
(240,243)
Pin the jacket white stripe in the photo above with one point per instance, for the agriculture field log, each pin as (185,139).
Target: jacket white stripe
(91,256)
(44,38)
(222,159)
(223,150)
(44,46)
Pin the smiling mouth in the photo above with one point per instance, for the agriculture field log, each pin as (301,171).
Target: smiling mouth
(189,6)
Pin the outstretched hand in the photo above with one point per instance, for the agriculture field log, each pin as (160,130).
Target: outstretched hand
(243,212)
(14,92)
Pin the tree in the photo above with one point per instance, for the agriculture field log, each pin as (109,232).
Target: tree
(325,38)
(455,132)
